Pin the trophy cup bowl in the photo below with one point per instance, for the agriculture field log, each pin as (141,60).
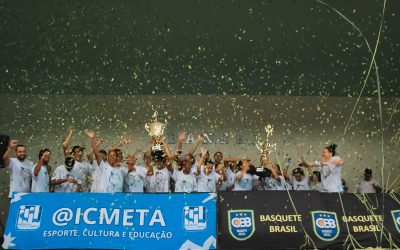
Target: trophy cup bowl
(156,131)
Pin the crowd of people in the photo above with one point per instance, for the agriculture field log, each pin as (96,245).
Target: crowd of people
(167,171)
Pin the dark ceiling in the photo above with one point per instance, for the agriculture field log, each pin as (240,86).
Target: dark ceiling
(277,47)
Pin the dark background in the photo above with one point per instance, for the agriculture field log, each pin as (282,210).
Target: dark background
(161,47)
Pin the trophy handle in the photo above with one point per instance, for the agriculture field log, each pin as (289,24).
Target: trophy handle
(146,126)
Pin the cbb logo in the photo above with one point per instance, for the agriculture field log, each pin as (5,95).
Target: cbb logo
(396,219)
(241,222)
(325,223)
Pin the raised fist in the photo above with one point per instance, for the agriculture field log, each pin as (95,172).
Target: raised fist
(13,143)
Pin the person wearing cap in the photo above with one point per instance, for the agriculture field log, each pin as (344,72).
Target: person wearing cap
(66,178)
(299,180)
(84,167)
(368,185)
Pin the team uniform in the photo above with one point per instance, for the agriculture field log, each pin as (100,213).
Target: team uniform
(184,183)
(274,184)
(110,179)
(316,186)
(40,182)
(331,176)
(85,170)
(245,184)
(134,181)
(229,182)
(367,187)
(303,185)
(95,177)
(207,183)
(60,173)
(20,176)
(159,181)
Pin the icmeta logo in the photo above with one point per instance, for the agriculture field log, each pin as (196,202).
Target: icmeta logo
(108,216)
(29,217)
(194,218)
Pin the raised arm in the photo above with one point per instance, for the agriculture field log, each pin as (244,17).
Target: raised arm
(199,140)
(201,160)
(221,171)
(285,173)
(131,162)
(7,155)
(166,149)
(90,154)
(95,148)
(274,174)
(39,165)
(148,162)
(337,162)
(181,140)
(67,141)
(305,164)
(231,159)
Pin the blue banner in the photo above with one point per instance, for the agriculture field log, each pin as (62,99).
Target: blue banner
(116,221)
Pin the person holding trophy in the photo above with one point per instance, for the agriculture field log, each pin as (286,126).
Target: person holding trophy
(270,174)
(161,158)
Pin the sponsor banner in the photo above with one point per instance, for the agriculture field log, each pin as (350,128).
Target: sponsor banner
(268,220)
(111,221)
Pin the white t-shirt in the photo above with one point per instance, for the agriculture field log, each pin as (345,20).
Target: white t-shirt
(331,176)
(40,183)
(316,186)
(229,182)
(367,186)
(111,179)
(245,184)
(84,169)
(134,181)
(207,183)
(95,175)
(20,176)
(304,184)
(184,183)
(273,184)
(159,181)
(61,172)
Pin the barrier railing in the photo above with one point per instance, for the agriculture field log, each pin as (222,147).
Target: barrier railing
(246,220)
